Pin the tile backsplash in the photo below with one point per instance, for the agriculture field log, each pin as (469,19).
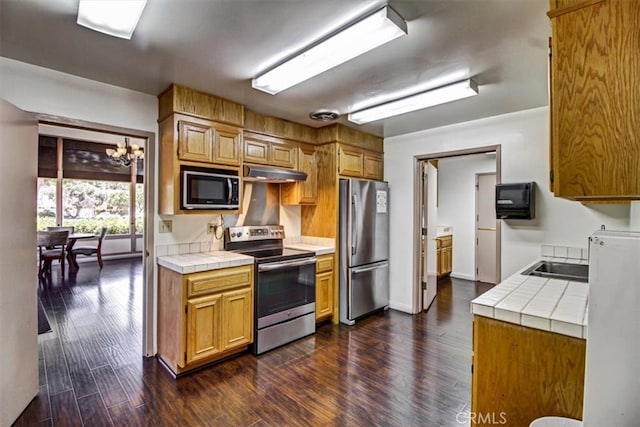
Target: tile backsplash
(564,252)
(218,245)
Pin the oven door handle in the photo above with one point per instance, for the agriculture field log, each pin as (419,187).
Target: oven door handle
(286,264)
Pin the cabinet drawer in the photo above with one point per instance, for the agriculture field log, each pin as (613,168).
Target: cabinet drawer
(218,280)
(444,242)
(325,263)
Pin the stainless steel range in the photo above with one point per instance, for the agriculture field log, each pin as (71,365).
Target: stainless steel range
(285,285)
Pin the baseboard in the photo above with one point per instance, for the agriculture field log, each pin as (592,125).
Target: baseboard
(401,307)
(84,259)
(463,276)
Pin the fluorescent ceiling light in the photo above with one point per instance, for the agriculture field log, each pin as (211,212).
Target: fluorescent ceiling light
(368,33)
(441,95)
(117,18)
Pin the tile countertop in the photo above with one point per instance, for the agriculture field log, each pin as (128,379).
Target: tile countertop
(319,245)
(553,305)
(318,249)
(203,261)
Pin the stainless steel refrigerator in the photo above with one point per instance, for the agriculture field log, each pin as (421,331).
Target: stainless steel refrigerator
(364,248)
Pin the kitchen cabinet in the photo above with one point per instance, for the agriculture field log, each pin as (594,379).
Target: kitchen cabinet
(208,143)
(203,317)
(192,141)
(359,163)
(444,250)
(268,150)
(595,104)
(520,374)
(325,285)
(305,192)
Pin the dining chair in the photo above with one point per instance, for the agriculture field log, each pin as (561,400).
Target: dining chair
(64,228)
(51,246)
(91,250)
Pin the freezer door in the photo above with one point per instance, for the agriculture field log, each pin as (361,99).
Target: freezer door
(367,222)
(367,289)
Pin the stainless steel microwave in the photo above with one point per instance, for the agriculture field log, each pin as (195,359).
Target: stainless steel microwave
(207,188)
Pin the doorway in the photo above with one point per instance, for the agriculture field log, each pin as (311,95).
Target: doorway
(449,207)
(140,238)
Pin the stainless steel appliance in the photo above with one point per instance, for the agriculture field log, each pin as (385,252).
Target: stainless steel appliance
(285,285)
(364,248)
(207,188)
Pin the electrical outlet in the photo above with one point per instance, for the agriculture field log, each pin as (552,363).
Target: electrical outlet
(166,226)
(211,228)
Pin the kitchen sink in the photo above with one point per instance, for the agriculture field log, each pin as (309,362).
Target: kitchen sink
(559,270)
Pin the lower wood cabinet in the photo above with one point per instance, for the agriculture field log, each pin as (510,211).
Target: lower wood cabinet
(203,317)
(444,249)
(325,284)
(521,373)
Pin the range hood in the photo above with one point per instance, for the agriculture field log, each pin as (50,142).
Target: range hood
(271,174)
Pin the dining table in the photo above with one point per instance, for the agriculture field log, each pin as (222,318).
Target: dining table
(71,241)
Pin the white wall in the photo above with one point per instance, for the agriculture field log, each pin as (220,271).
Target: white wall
(457,206)
(42,90)
(524,140)
(18,334)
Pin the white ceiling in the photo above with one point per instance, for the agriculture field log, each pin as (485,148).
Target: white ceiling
(217,46)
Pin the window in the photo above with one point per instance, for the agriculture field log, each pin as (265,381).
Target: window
(79,186)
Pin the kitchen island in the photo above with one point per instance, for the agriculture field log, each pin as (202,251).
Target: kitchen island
(529,349)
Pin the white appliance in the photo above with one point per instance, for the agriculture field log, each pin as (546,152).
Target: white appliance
(612,381)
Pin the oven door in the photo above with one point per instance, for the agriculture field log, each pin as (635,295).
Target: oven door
(285,290)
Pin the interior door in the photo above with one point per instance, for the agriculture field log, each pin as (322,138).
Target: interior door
(486,236)
(18,315)
(429,231)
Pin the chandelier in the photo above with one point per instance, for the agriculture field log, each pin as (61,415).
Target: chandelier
(125,154)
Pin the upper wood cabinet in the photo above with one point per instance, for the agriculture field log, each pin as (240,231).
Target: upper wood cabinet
(595,101)
(209,143)
(268,150)
(196,142)
(358,163)
(306,192)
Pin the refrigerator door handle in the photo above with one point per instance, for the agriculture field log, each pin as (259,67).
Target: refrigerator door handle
(369,267)
(354,228)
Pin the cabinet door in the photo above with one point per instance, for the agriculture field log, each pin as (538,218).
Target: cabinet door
(256,151)
(308,188)
(373,166)
(447,260)
(595,106)
(237,318)
(440,263)
(226,147)
(283,155)
(195,142)
(324,295)
(204,336)
(350,162)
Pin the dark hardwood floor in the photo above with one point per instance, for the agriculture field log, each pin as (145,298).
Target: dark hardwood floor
(390,369)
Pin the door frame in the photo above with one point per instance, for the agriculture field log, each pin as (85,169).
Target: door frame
(496,278)
(148,250)
(417,228)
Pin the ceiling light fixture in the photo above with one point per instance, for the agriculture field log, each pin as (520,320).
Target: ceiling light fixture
(125,154)
(117,18)
(441,95)
(372,31)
